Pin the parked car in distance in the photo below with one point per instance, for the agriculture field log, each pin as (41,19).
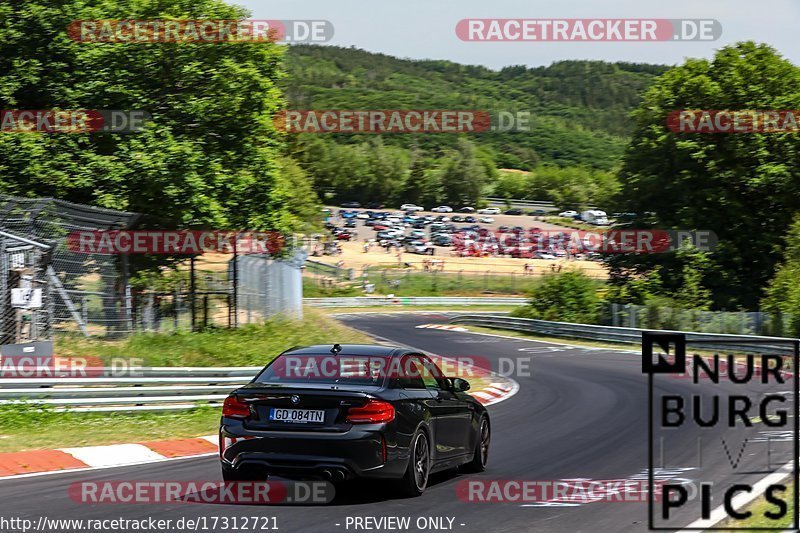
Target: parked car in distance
(467,210)
(442,240)
(486,220)
(513,211)
(351,205)
(595,216)
(457,218)
(537,213)
(363,215)
(411,207)
(417,234)
(489,211)
(442,209)
(503,228)
(470,219)
(569,214)
(419,247)
(350,223)
(544,255)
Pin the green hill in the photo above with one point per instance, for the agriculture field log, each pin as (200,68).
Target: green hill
(580,108)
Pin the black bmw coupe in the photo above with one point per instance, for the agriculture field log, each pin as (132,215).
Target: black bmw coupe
(352,411)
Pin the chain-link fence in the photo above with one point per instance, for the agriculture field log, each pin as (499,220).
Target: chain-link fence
(87,292)
(737,322)
(26,306)
(267,287)
(429,280)
(48,285)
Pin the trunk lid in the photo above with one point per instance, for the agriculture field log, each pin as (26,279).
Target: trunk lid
(298,407)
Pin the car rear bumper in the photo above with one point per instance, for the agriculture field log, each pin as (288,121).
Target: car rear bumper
(357,453)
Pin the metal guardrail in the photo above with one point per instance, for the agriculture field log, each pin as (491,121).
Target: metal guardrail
(399,301)
(711,341)
(155,388)
(318,267)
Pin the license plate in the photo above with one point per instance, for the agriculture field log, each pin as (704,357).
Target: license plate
(298,416)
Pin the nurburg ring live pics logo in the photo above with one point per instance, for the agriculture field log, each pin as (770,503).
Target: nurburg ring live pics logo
(731,430)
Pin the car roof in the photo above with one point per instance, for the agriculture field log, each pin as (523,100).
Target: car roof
(350,349)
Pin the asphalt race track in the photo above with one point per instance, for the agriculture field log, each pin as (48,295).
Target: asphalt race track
(581,414)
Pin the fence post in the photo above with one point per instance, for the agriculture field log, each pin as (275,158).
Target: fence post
(192,306)
(128,300)
(235,302)
(4,298)
(177,305)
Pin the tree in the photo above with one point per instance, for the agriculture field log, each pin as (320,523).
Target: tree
(782,296)
(637,290)
(692,294)
(744,187)
(462,175)
(421,185)
(209,157)
(568,297)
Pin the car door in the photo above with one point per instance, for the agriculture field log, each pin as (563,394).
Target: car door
(453,414)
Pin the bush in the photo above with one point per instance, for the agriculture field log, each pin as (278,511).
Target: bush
(566,297)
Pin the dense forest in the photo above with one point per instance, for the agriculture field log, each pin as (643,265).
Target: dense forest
(580,111)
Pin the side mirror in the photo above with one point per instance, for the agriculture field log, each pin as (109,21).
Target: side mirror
(460,385)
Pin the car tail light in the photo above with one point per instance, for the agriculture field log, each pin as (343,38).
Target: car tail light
(235,408)
(372,412)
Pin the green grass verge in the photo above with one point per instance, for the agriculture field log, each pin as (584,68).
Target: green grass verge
(402,283)
(759,507)
(466,309)
(30,426)
(249,345)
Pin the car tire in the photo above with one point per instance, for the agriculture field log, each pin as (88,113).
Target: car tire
(481,455)
(415,480)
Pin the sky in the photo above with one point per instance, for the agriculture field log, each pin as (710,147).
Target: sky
(425,29)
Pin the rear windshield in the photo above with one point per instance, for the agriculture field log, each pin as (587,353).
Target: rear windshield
(368,370)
